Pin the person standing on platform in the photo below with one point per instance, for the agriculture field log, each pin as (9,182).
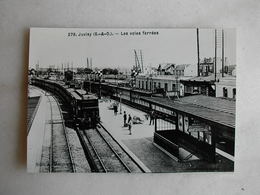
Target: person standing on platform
(130,123)
(129,118)
(125,117)
(151,117)
(116,108)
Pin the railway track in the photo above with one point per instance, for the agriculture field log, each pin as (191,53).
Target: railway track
(60,157)
(105,153)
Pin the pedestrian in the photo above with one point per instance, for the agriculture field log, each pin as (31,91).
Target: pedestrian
(129,118)
(125,117)
(151,117)
(130,123)
(115,108)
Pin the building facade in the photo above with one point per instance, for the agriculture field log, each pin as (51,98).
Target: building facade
(226,87)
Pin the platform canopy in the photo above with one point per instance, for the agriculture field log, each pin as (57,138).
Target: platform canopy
(212,109)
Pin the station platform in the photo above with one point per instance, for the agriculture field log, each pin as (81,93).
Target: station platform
(141,144)
(36,131)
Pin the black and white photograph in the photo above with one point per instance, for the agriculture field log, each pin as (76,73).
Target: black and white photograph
(117,100)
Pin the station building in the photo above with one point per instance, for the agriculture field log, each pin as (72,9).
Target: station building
(167,77)
(185,83)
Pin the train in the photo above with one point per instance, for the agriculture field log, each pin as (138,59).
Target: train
(124,94)
(83,107)
(224,135)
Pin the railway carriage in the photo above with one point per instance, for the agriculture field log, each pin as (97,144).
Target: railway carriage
(83,106)
(86,108)
(126,95)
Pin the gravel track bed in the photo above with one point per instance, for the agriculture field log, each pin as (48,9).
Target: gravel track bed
(121,153)
(108,157)
(93,156)
(80,161)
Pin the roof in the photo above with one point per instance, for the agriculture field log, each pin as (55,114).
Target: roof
(182,66)
(212,109)
(142,91)
(209,78)
(214,103)
(89,96)
(75,95)
(166,66)
(85,95)
(227,81)
(165,77)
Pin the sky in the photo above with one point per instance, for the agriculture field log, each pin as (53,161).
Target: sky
(57,46)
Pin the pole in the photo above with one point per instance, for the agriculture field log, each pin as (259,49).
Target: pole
(120,104)
(215,64)
(91,63)
(198,50)
(223,53)
(142,60)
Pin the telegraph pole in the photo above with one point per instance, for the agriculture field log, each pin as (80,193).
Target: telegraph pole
(215,64)
(198,50)
(223,53)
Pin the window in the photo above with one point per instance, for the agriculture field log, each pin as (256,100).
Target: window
(154,85)
(142,84)
(159,85)
(195,89)
(225,92)
(173,87)
(139,84)
(234,93)
(166,86)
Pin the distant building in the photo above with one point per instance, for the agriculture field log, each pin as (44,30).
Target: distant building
(177,70)
(224,87)
(167,77)
(204,85)
(166,69)
(207,65)
(230,70)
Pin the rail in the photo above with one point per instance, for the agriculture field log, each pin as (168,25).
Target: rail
(65,135)
(95,151)
(66,138)
(112,149)
(140,167)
